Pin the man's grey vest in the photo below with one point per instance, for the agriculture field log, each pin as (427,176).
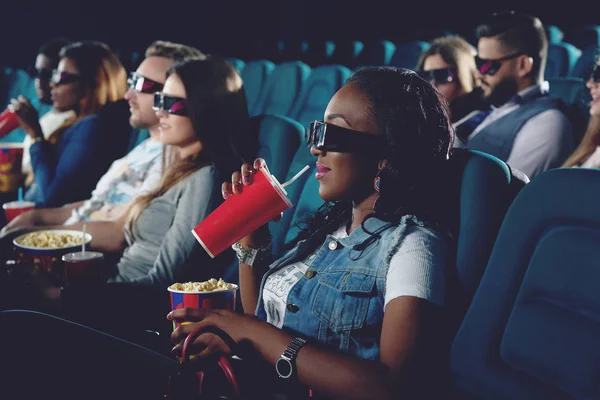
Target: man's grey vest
(498,137)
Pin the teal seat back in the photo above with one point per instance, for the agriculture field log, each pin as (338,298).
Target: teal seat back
(407,54)
(562,58)
(554,33)
(282,89)
(320,87)
(18,82)
(237,64)
(319,52)
(375,53)
(576,97)
(482,188)
(585,36)
(533,328)
(279,138)
(347,52)
(255,75)
(585,64)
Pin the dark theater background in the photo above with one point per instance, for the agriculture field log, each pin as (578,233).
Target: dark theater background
(233,27)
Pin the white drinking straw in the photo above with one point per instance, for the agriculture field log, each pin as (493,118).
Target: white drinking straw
(303,170)
(83,241)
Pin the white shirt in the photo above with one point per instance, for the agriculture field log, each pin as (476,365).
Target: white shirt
(138,173)
(49,123)
(593,161)
(417,269)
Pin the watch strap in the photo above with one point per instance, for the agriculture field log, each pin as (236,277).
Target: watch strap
(293,348)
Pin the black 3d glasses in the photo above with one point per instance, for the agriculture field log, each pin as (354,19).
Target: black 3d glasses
(595,77)
(142,84)
(490,67)
(64,78)
(442,75)
(334,138)
(170,104)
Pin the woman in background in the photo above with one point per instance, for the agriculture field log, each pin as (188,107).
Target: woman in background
(449,64)
(67,163)
(587,154)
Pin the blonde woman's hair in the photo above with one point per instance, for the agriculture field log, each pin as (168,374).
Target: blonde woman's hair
(589,143)
(458,53)
(216,104)
(103,79)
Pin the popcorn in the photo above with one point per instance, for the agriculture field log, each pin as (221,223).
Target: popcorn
(211,285)
(50,240)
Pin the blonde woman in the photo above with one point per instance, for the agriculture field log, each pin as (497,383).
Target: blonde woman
(203,115)
(67,163)
(587,155)
(449,64)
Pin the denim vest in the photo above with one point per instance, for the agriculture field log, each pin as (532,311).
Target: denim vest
(340,299)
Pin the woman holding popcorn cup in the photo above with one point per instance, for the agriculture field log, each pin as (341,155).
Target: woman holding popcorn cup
(354,310)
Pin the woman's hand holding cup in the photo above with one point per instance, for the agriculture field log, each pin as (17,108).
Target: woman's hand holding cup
(239,179)
(27,115)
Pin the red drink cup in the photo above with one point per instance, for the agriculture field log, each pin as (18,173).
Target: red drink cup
(11,157)
(8,122)
(242,214)
(84,269)
(16,208)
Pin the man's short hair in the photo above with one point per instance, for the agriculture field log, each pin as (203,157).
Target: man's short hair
(52,47)
(519,33)
(174,51)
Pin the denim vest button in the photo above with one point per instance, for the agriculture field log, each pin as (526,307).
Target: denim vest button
(310,273)
(333,245)
(293,308)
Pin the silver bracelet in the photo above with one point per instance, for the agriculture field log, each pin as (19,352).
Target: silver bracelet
(245,255)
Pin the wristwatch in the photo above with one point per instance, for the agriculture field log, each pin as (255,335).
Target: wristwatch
(37,139)
(286,363)
(245,255)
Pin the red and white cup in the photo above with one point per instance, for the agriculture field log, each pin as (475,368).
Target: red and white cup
(242,213)
(15,208)
(11,159)
(84,269)
(213,300)
(8,122)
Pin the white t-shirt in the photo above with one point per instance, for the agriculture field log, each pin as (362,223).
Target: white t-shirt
(49,123)
(138,173)
(417,269)
(593,161)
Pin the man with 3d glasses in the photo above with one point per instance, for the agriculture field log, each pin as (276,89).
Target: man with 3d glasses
(525,127)
(137,173)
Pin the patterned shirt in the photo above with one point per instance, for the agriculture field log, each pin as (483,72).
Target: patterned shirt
(139,172)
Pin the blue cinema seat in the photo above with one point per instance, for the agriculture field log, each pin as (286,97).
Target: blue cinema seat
(407,54)
(562,58)
(255,75)
(282,89)
(320,87)
(533,328)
